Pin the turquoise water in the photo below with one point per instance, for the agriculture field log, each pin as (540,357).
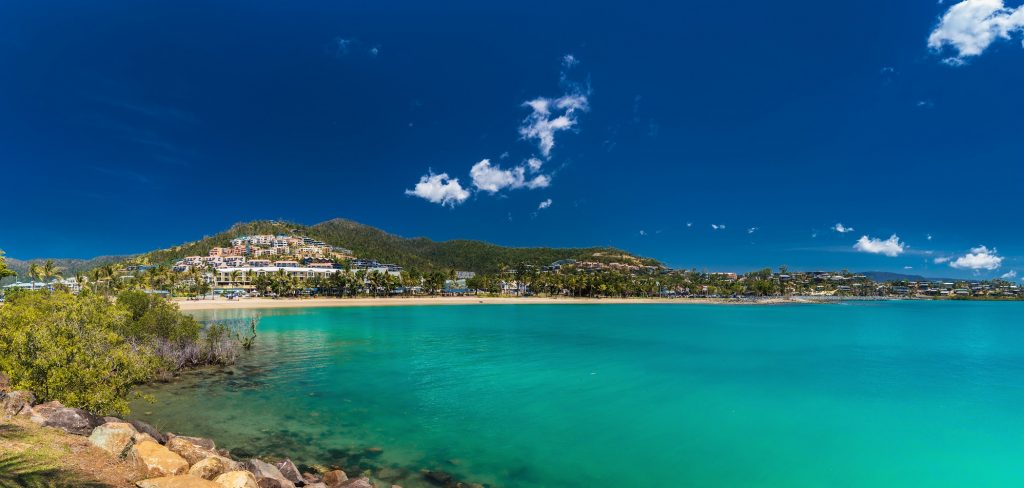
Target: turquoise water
(865,394)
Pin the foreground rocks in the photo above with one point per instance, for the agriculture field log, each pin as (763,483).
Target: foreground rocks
(70,420)
(237,479)
(267,475)
(16,403)
(114,437)
(177,482)
(156,460)
(193,449)
(213,467)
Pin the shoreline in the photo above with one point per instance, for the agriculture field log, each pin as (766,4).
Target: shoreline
(284,303)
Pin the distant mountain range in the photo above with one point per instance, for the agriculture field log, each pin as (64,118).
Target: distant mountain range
(880,276)
(369,243)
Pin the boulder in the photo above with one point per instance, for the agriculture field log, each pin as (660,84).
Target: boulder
(70,420)
(439,477)
(334,479)
(114,437)
(148,429)
(267,475)
(193,449)
(177,482)
(199,441)
(358,483)
(16,403)
(318,484)
(237,479)
(289,471)
(157,460)
(212,467)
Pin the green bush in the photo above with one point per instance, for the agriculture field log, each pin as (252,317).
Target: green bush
(68,348)
(87,351)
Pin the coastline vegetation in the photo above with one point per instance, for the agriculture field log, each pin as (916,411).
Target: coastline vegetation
(88,351)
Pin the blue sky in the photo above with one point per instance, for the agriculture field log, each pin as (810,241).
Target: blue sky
(126,126)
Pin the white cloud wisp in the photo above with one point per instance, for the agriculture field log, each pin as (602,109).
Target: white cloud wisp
(891,247)
(971,26)
(980,258)
(439,188)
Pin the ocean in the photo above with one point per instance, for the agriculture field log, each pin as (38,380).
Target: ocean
(854,394)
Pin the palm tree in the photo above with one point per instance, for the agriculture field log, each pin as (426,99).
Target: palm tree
(35,271)
(51,270)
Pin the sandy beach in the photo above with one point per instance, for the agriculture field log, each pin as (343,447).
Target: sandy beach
(244,303)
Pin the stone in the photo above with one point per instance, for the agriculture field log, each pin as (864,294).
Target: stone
(114,437)
(16,403)
(142,436)
(199,441)
(237,479)
(70,420)
(439,477)
(358,483)
(289,471)
(267,475)
(177,482)
(157,460)
(148,429)
(213,467)
(317,484)
(193,449)
(310,478)
(334,479)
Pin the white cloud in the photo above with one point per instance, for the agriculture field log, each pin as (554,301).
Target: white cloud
(971,26)
(544,204)
(979,258)
(751,230)
(891,247)
(568,61)
(550,116)
(534,164)
(908,267)
(718,226)
(929,237)
(643,232)
(943,259)
(492,178)
(438,188)
(842,229)
(1009,275)
(689,224)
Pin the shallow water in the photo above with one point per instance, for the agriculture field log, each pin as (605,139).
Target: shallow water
(865,394)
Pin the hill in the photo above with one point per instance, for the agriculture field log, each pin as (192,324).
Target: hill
(414,253)
(882,276)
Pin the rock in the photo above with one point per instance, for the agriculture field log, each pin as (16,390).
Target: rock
(114,437)
(237,479)
(148,429)
(310,478)
(318,484)
(157,460)
(193,449)
(142,436)
(177,482)
(358,483)
(107,420)
(213,467)
(70,420)
(334,479)
(289,471)
(16,403)
(374,450)
(267,475)
(439,477)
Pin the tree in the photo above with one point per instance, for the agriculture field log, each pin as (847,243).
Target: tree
(4,270)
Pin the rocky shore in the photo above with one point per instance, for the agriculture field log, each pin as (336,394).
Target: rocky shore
(167,460)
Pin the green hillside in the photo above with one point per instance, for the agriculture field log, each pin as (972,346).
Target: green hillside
(67,266)
(419,253)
